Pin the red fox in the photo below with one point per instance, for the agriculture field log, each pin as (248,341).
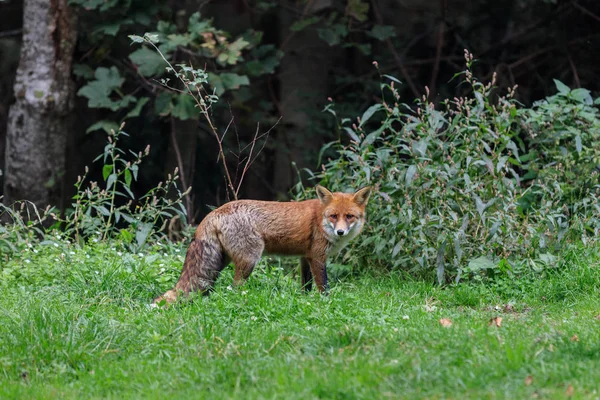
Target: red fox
(241,231)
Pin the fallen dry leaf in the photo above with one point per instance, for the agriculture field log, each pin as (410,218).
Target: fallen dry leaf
(574,338)
(496,321)
(446,323)
(528,380)
(570,390)
(597,317)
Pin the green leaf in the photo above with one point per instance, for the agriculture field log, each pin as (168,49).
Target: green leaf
(99,90)
(128,178)
(134,170)
(382,32)
(163,104)
(83,71)
(396,249)
(233,52)
(233,81)
(562,88)
(333,35)
(126,236)
(266,59)
(227,81)
(392,78)
(129,192)
(106,171)
(112,179)
(142,232)
(149,62)
(102,210)
(110,29)
(184,107)
(105,125)
(369,113)
(548,259)
(352,134)
(135,111)
(109,77)
(578,144)
(420,148)
(358,10)
(303,23)
(215,81)
(481,263)
(410,175)
(582,96)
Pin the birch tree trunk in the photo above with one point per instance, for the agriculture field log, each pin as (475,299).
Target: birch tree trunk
(38,121)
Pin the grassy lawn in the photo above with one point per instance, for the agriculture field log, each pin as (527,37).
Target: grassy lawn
(74,323)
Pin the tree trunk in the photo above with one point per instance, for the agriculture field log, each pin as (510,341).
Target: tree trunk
(38,121)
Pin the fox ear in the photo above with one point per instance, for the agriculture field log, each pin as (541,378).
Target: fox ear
(323,194)
(362,196)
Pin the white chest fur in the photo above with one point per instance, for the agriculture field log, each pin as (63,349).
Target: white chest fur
(337,243)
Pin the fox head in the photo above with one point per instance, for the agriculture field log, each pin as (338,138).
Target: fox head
(343,213)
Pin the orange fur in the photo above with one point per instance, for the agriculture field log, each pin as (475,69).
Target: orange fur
(241,231)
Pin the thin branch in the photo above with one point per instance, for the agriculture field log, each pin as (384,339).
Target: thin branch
(204,108)
(188,201)
(293,33)
(525,30)
(438,49)
(574,69)
(586,11)
(397,57)
(14,32)
(547,49)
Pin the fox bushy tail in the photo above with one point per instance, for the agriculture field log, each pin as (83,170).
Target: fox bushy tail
(204,261)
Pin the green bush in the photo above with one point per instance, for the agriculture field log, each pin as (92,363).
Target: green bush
(476,185)
(101,210)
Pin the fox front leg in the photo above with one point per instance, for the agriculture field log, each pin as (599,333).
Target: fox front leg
(319,273)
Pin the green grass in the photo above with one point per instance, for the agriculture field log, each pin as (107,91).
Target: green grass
(74,323)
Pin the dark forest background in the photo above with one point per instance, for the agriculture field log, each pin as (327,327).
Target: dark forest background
(266,60)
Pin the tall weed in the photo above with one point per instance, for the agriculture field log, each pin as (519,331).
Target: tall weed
(475,185)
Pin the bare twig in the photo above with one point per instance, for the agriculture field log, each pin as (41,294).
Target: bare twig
(203,99)
(250,160)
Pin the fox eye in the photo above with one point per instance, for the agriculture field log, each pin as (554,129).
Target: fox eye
(349,216)
(333,216)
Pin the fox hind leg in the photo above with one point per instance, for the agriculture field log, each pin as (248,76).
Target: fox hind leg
(245,263)
(204,261)
(306,274)
(245,251)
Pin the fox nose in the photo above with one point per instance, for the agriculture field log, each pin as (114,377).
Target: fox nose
(340,232)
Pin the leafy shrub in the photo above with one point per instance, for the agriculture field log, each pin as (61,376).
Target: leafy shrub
(112,210)
(474,184)
(100,211)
